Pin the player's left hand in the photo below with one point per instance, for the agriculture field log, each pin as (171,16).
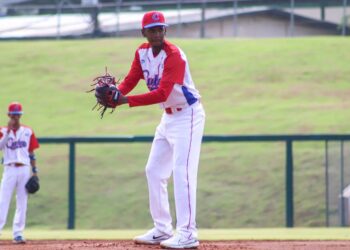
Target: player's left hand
(33,185)
(106,93)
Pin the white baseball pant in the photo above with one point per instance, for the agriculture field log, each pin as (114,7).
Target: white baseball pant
(176,149)
(14,178)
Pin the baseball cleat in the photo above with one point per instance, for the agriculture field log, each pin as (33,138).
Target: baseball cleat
(152,237)
(19,240)
(180,242)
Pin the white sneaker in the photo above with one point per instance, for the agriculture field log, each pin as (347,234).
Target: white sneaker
(19,240)
(180,241)
(152,237)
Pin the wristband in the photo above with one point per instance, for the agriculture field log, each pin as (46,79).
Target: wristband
(34,170)
(32,157)
(116,96)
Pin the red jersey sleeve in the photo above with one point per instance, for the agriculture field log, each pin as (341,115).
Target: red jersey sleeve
(133,77)
(33,143)
(1,134)
(174,72)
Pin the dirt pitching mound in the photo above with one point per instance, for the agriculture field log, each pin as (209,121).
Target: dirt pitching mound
(205,245)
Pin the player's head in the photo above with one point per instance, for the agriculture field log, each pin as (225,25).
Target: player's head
(15,111)
(154,27)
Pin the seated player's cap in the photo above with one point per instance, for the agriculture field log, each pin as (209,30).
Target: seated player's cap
(152,19)
(15,108)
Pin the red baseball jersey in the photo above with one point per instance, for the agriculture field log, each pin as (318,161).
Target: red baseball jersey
(167,76)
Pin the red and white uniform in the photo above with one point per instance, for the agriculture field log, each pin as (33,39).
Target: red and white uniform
(16,146)
(177,141)
(167,76)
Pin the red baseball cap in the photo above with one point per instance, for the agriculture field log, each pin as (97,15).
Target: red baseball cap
(15,108)
(152,19)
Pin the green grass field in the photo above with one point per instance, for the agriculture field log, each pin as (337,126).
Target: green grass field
(248,86)
(204,234)
(271,86)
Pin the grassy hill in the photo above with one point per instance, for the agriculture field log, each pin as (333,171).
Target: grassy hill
(267,86)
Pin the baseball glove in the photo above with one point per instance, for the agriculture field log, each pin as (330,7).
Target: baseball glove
(32,185)
(106,93)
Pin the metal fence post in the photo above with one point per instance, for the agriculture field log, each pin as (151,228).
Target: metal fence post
(323,11)
(342,211)
(58,26)
(289,184)
(345,18)
(235,18)
(291,21)
(71,187)
(203,19)
(94,12)
(179,22)
(327,183)
(117,13)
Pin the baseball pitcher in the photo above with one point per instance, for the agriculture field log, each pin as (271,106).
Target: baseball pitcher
(177,142)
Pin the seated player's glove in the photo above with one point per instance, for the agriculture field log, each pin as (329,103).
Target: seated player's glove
(32,185)
(106,93)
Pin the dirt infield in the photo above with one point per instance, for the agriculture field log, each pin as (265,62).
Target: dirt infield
(205,245)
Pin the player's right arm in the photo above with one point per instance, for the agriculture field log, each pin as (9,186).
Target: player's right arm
(4,135)
(133,77)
